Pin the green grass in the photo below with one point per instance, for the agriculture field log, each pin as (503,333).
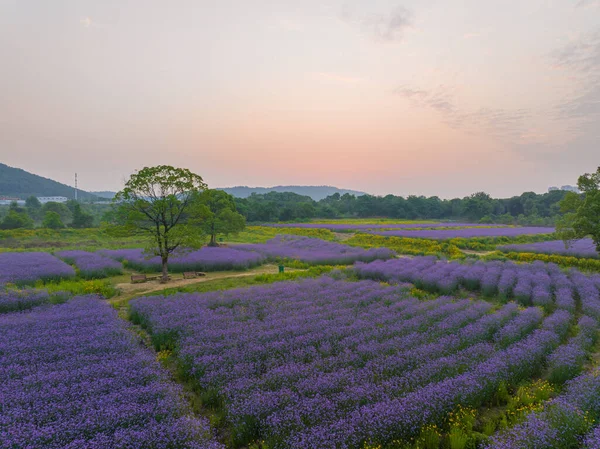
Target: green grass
(51,240)
(260,234)
(247,281)
(104,287)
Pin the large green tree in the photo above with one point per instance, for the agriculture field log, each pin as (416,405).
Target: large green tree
(60,208)
(52,221)
(219,214)
(582,211)
(81,219)
(157,202)
(16,219)
(34,207)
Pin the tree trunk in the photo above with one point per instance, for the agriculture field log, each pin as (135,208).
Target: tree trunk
(213,240)
(165,270)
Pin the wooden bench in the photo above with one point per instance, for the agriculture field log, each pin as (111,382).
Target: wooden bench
(138,278)
(192,274)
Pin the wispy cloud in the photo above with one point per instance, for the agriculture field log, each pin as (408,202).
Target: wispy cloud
(383,27)
(500,123)
(588,4)
(86,22)
(439,98)
(582,55)
(582,107)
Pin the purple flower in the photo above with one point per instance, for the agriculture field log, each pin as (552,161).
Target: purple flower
(204,259)
(327,363)
(578,248)
(27,268)
(91,265)
(444,234)
(315,251)
(72,376)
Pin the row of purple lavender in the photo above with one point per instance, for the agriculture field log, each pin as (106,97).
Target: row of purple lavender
(365,227)
(16,300)
(27,268)
(537,284)
(72,376)
(91,265)
(315,251)
(334,364)
(577,248)
(445,234)
(204,259)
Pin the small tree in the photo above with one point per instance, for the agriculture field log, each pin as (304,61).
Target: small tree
(157,203)
(61,209)
(81,219)
(219,215)
(33,207)
(52,221)
(16,220)
(582,211)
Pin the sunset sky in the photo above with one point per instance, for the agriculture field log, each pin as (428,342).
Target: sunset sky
(407,97)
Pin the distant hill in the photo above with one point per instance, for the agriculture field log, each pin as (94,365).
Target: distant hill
(18,183)
(15,182)
(105,194)
(315,192)
(567,188)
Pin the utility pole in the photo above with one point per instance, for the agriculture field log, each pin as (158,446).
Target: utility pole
(75,186)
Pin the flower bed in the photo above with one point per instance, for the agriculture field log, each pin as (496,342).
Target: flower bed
(315,251)
(15,300)
(27,268)
(578,248)
(204,259)
(91,265)
(366,227)
(72,376)
(327,364)
(444,234)
(540,284)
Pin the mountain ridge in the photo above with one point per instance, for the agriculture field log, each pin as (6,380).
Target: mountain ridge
(19,183)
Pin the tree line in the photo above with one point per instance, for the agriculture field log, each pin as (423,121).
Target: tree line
(50,215)
(176,211)
(528,208)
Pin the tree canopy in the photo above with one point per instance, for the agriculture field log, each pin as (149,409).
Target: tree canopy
(219,214)
(581,212)
(157,202)
(52,221)
(15,219)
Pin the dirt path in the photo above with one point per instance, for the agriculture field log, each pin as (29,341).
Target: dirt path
(341,236)
(128,289)
(478,253)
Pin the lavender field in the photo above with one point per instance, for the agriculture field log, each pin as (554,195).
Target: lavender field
(329,363)
(538,284)
(27,268)
(366,227)
(91,265)
(578,248)
(314,251)
(443,234)
(204,259)
(15,300)
(72,376)
(390,353)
